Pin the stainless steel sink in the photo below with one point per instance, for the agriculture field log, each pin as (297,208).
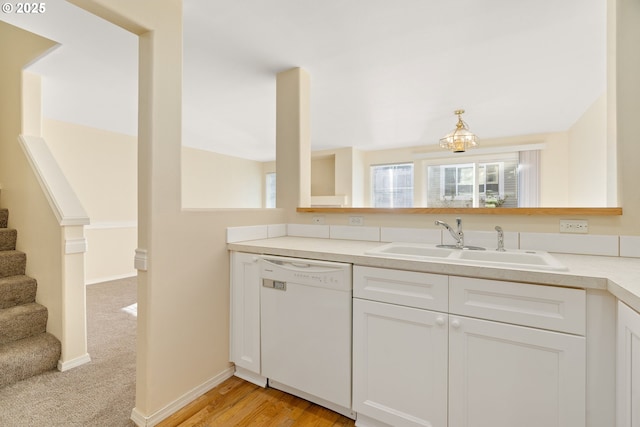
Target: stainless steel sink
(521,259)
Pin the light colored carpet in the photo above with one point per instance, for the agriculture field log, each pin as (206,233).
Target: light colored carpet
(98,394)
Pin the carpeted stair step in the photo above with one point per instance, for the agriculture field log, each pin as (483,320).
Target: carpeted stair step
(22,321)
(16,290)
(4,218)
(8,238)
(28,357)
(12,263)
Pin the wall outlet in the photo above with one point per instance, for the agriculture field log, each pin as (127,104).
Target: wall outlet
(574,226)
(356,220)
(319,219)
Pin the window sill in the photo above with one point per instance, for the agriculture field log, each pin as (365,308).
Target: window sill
(617,211)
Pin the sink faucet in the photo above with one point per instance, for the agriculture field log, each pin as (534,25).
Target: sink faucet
(500,239)
(458,235)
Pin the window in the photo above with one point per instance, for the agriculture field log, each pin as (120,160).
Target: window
(392,185)
(486,182)
(270,190)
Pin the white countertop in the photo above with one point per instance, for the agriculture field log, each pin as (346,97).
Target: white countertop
(620,276)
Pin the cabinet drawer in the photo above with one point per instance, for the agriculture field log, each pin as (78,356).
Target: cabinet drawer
(408,288)
(546,307)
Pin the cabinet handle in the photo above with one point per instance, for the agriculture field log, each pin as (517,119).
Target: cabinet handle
(455,323)
(440,320)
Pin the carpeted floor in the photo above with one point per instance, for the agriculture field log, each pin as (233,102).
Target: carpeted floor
(98,394)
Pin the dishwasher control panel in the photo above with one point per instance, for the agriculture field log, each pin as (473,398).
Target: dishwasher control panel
(277,271)
(274,284)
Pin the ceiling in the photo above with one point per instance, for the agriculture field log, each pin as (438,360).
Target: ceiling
(383,73)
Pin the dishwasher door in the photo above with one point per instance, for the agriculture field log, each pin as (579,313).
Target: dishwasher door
(306,327)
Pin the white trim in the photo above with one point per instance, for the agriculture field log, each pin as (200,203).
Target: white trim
(75,246)
(141,260)
(364,421)
(105,225)
(479,151)
(252,377)
(73,363)
(63,200)
(109,278)
(149,421)
(347,412)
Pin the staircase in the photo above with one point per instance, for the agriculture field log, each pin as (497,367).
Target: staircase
(26,349)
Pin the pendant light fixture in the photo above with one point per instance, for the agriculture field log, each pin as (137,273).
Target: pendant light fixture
(460,139)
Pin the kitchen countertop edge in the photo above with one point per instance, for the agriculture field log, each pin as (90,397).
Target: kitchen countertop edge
(618,275)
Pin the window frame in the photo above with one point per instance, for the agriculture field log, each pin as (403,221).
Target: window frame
(372,180)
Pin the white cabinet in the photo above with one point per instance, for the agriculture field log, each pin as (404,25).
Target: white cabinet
(504,369)
(481,353)
(503,375)
(245,316)
(400,364)
(628,393)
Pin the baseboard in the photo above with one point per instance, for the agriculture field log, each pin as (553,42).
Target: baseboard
(364,421)
(347,412)
(73,363)
(110,278)
(252,377)
(142,420)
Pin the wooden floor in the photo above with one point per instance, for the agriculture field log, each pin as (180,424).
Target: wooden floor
(238,403)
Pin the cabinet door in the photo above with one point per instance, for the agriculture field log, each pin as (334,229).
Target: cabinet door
(245,311)
(502,375)
(628,395)
(399,364)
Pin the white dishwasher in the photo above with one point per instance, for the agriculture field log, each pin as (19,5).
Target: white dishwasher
(305,317)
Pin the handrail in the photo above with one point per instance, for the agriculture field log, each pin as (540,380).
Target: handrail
(63,200)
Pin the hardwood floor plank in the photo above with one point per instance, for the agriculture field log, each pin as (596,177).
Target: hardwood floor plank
(238,403)
(317,416)
(290,409)
(217,400)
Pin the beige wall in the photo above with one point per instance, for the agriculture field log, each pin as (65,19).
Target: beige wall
(627,96)
(39,234)
(183,295)
(323,175)
(212,180)
(342,172)
(587,157)
(101,167)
